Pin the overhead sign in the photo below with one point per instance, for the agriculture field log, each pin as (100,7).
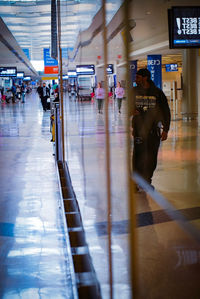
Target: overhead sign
(20,75)
(27,78)
(88,69)
(154,65)
(72,73)
(110,69)
(133,70)
(50,64)
(184,26)
(8,71)
(172,67)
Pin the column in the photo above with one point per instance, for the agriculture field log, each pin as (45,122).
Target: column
(190,88)
(198,84)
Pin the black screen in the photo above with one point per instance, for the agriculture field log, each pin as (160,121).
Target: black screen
(184,27)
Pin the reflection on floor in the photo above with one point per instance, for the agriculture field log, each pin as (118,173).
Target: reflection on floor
(165,252)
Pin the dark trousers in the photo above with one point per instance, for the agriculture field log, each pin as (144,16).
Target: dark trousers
(100,104)
(145,154)
(119,103)
(44,102)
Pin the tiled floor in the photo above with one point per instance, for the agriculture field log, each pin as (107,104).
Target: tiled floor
(34,260)
(167,256)
(33,254)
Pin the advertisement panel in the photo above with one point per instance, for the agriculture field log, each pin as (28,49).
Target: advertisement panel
(154,65)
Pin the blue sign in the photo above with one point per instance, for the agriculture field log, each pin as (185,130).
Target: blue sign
(48,60)
(26,52)
(133,70)
(154,65)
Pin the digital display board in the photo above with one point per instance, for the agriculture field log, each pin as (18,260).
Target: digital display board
(172,67)
(20,75)
(110,69)
(8,71)
(184,27)
(27,78)
(85,69)
(65,77)
(71,74)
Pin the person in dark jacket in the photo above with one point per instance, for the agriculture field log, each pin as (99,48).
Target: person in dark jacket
(151,121)
(44,94)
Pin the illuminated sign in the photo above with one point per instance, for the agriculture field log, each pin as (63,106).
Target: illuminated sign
(109,69)
(65,77)
(71,73)
(50,64)
(27,78)
(184,26)
(85,69)
(8,71)
(172,67)
(20,75)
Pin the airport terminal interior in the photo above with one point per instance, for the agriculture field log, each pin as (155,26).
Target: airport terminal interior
(76,220)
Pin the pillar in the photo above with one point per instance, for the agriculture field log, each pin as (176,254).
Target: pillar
(190,88)
(198,84)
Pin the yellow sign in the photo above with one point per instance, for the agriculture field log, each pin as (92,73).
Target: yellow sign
(49,78)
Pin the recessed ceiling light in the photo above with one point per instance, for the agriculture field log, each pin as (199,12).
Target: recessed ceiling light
(148,12)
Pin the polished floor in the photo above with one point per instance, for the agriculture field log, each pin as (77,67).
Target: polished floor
(168,264)
(34,255)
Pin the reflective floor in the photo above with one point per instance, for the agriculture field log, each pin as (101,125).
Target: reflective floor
(165,252)
(33,254)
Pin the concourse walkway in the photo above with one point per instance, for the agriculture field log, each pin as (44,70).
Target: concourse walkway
(168,258)
(33,246)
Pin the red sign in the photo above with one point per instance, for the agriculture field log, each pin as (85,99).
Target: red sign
(51,69)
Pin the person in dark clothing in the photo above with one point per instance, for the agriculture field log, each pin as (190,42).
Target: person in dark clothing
(39,90)
(150,122)
(44,94)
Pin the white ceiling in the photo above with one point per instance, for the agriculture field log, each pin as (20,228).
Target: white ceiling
(30,21)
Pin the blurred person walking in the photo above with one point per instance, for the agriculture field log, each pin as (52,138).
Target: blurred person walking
(100,95)
(119,93)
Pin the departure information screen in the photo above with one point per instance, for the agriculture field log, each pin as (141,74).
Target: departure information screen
(85,69)
(8,71)
(184,27)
